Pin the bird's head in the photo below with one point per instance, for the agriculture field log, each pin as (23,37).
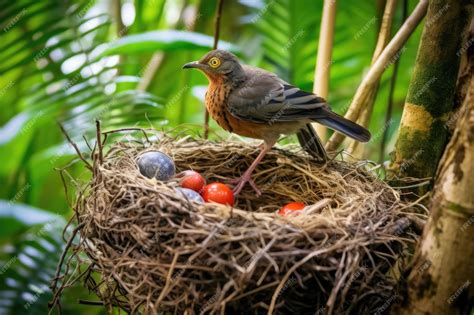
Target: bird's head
(217,64)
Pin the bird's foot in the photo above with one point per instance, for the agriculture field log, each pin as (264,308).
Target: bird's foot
(240,183)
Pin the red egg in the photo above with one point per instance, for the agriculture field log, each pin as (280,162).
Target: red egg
(218,192)
(191,180)
(292,207)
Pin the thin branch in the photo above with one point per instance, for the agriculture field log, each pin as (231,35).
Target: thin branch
(99,142)
(87,143)
(87,302)
(217,27)
(217,23)
(88,165)
(105,133)
(54,282)
(379,67)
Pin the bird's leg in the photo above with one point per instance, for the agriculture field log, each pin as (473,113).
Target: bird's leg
(247,175)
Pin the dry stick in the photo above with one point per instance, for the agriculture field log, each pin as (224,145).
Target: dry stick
(105,133)
(88,165)
(393,81)
(287,275)
(379,67)
(66,191)
(323,61)
(87,143)
(217,23)
(99,142)
(61,260)
(217,26)
(87,302)
(354,147)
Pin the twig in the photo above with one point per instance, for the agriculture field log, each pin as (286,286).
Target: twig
(63,255)
(66,192)
(87,143)
(86,302)
(99,142)
(88,165)
(217,22)
(217,26)
(128,129)
(379,67)
(58,268)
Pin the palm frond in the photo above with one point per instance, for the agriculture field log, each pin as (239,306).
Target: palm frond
(78,84)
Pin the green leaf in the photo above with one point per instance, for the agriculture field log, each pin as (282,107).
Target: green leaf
(16,217)
(25,214)
(164,41)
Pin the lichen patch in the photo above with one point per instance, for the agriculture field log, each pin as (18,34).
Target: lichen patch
(416,118)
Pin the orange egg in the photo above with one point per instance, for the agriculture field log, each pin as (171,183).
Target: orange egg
(292,207)
(191,180)
(218,192)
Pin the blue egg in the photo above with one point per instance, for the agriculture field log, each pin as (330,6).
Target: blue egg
(190,194)
(156,164)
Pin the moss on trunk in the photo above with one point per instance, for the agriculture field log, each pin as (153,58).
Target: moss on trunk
(423,132)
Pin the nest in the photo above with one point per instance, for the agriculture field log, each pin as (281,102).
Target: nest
(151,251)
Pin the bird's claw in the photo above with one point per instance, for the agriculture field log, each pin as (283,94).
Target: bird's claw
(240,183)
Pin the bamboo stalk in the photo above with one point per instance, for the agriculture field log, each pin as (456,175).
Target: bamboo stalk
(377,69)
(393,81)
(121,30)
(323,62)
(117,8)
(355,148)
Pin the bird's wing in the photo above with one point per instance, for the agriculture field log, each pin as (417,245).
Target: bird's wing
(265,98)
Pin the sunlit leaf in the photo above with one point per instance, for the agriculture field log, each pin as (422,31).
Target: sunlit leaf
(168,40)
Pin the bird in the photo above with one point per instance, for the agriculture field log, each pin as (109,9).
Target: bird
(256,103)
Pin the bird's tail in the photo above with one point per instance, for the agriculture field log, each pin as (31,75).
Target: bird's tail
(343,125)
(311,143)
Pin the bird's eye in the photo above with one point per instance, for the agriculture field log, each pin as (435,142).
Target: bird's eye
(214,62)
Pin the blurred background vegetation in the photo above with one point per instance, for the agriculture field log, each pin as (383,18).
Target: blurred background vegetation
(120,61)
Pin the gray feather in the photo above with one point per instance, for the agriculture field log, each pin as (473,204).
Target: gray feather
(264,98)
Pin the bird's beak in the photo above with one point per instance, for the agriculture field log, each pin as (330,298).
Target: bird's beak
(194,64)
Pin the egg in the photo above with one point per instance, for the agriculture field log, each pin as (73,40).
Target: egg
(156,164)
(219,193)
(190,194)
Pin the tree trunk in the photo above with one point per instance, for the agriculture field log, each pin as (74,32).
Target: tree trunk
(443,271)
(423,133)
